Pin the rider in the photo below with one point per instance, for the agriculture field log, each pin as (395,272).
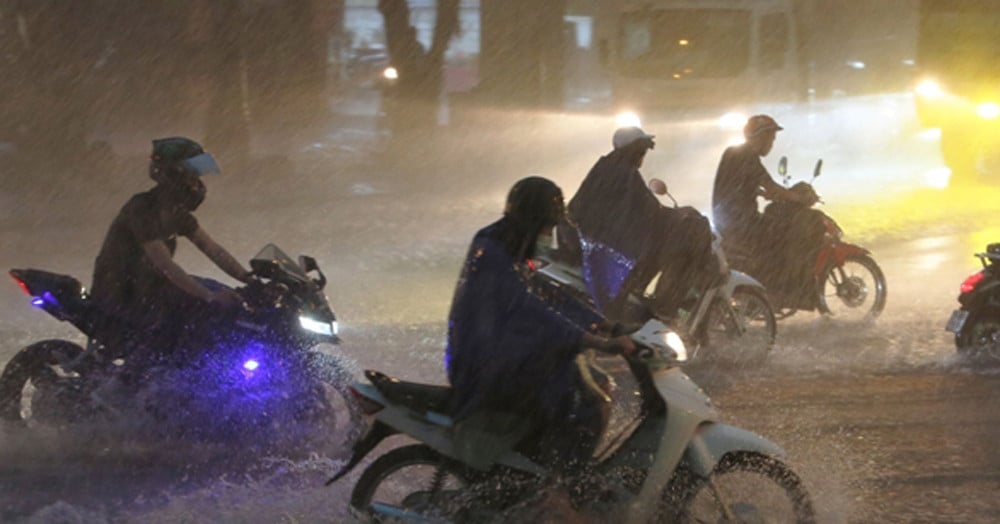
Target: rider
(136,281)
(739,180)
(509,349)
(615,208)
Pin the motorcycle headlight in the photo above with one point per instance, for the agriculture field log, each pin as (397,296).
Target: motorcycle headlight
(658,336)
(317,326)
(929,89)
(988,110)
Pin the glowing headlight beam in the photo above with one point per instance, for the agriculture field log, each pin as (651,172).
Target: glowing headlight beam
(928,88)
(323,328)
(627,119)
(390,73)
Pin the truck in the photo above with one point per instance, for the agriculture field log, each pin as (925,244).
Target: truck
(958,87)
(689,54)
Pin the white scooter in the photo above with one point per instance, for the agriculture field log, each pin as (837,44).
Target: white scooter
(731,323)
(674,462)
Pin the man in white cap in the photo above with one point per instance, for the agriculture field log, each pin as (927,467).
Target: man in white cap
(614,208)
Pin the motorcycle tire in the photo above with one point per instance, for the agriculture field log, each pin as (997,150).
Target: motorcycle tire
(980,336)
(744,487)
(340,410)
(845,289)
(399,472)
(29,370)
(744,340)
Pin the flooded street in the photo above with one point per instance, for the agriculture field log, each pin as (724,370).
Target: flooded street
(884,422)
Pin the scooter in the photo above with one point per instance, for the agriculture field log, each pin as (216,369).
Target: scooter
(674,462)
(731,322)
(976,323)
(840,280)
(268,376)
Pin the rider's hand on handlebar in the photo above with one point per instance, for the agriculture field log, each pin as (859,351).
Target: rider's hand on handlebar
(227,299)
(624,345)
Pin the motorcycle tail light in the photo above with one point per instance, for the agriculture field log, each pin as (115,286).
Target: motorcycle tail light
(21,284)
(970,283)
(369,406)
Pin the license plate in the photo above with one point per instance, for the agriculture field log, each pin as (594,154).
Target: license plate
(957,320)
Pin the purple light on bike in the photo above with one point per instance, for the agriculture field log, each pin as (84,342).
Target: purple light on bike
(251,365)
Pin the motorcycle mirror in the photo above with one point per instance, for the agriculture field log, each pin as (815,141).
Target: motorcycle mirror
(818,168)
(309,264)
(657,186)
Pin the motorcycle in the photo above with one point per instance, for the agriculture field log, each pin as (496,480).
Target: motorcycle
(675,461)
(269,377)
(732,321)
(976,324)
(843,280)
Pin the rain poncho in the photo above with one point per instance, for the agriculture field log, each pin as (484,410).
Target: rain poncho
(509,349)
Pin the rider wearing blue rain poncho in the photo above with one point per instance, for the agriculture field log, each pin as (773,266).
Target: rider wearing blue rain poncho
(512,347)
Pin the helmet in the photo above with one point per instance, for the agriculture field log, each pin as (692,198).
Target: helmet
(174,156)
(627,135)
(177,163)
(758,124)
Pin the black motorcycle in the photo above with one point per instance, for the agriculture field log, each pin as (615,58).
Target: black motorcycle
(270,377)
(976,324)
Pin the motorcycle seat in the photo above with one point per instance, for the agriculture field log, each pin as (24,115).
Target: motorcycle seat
(416,396)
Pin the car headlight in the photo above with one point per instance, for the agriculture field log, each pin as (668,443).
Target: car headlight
(929,88)
(316,326)
(988,110)
(627,119)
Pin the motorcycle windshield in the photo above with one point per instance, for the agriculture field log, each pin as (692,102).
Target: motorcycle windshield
(272,253)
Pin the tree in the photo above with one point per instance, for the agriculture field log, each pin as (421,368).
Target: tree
(415,96)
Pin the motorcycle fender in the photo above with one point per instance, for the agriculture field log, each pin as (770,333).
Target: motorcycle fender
(713,441)
(362,447)
(838,253)
(737,279)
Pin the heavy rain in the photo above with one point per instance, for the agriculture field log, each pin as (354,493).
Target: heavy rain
(378,136)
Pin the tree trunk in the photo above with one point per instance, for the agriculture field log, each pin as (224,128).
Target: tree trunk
(415,96)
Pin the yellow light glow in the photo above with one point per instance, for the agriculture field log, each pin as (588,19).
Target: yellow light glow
(677,75)
(627,119)
(390,73)
(683,41)
(928,88)
(988,110)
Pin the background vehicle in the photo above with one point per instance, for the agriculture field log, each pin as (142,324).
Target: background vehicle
(269,378)
(731,322)
(959,88)
(976,324)
(674,462)
(845,282)
(684,53)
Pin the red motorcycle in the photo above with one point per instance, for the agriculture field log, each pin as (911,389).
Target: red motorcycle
(809,266)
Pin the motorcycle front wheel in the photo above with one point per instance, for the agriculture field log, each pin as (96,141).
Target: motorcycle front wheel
(853,291)
(980,337)
(741,332)
(412,482)
(335,422)
(744,487)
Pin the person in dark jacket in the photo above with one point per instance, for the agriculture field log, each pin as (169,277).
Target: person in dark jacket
(510,350)
(136,281)
(741,178)
(628,237)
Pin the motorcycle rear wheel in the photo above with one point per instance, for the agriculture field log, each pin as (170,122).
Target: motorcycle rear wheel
(741,334)
(27,372)
(412,480)
(744,487)
(980,337)
(853,291)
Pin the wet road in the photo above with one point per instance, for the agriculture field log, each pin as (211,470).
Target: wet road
(883,421)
